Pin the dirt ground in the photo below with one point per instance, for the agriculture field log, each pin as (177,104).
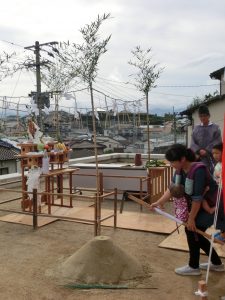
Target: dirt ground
(26,256)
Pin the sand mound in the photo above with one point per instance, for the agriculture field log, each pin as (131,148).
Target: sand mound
(100,261)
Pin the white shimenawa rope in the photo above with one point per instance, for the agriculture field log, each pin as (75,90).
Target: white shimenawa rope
(214,224)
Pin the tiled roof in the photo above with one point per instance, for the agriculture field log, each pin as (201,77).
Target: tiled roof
(217,74)
(85,145)
(7,151)
(5,144)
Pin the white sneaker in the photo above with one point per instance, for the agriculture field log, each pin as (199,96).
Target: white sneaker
(187,270)
(217,268)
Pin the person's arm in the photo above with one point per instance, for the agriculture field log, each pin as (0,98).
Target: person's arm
(208,208)
(197,197)
(216,138)
(165,197)
(195,206)
(205,205)
(194,141)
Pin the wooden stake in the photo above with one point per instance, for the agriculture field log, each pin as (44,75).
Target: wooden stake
(35,209)
(202,290)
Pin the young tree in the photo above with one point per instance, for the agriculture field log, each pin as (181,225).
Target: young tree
(87,58)
(147,74)
(58,81)
(7,68)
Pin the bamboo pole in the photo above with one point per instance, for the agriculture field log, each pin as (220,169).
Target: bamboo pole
(97,203)
(35,224)
(202,290)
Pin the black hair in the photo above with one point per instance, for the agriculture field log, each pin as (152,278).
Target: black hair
(178,151)
(203,110)
(218,147)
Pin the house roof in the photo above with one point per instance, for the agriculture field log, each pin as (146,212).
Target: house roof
(193,108)
(12,142)
(85,145)
(7,151)
(106,139)
(217,74)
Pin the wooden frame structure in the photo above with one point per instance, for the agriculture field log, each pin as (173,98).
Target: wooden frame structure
(97,212)
(149,188)
(29,158)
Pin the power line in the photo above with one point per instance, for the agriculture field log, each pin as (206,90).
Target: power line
(187,86)
(119,90)
(11,43)
(117,99)
(175,95)
(17,82)
(164,86)
(117,81)
(112,94)
(166,94)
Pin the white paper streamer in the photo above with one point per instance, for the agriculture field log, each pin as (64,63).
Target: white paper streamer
(33,182)
(200,293)
(96,114)
(114,108)
(46,110)
(165,214)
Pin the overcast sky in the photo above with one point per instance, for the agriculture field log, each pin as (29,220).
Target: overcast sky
(186,37)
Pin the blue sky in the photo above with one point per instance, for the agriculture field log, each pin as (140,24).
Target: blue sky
(186,37)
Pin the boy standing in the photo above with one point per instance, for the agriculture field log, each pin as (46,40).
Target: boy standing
(204,137)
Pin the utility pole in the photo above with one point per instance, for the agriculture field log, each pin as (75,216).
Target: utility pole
(107,113)
(58,133)
(38,64)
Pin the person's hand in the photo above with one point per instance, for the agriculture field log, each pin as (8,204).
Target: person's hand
(156,204)
(206,190)
(217,174)
(202,152)
(212,210)
(197,156)
(191,224)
